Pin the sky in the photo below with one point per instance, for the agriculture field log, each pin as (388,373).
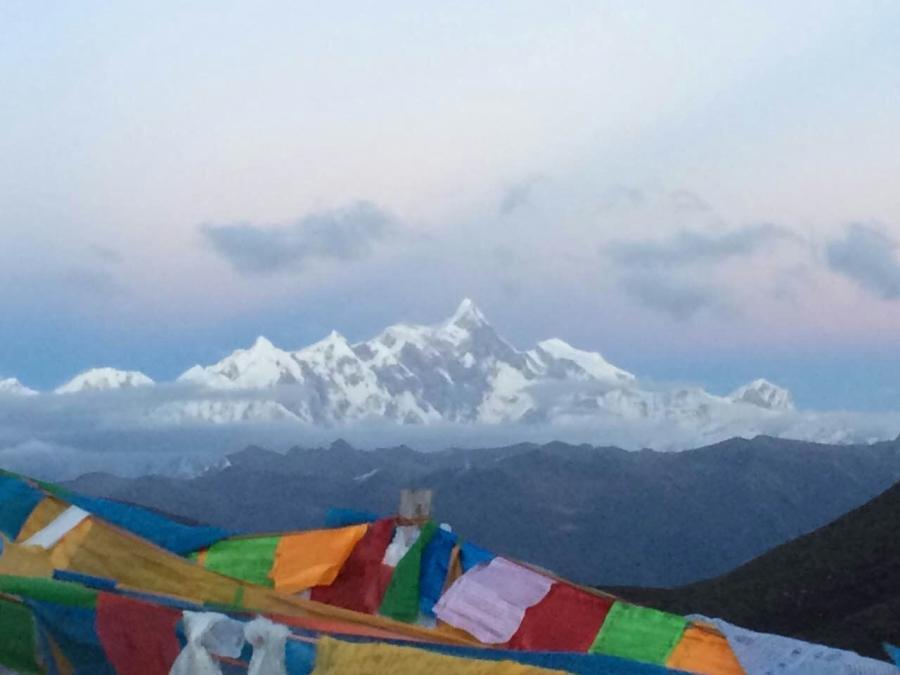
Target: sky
(704,191)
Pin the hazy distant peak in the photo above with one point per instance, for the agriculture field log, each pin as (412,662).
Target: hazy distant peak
(340,445)
(99,379)
(262,344)
(764,394)
(11,385)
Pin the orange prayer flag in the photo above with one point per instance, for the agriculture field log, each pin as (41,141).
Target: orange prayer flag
(313,558)
(704,651)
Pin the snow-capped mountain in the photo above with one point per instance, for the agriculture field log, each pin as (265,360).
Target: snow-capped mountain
(460,370)
(11,385)
(261,366)
(98,379)
(764,394)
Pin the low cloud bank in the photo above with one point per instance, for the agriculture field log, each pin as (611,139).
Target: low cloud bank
(59,437)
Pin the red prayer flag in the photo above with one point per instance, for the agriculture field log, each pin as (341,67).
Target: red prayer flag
(566,620)
(138,637)
(363,580)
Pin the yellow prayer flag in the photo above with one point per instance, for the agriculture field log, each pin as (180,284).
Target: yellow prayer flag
(335,657)
(47,510)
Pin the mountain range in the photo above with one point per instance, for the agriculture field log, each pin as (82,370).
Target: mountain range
(599,515)
(459,371)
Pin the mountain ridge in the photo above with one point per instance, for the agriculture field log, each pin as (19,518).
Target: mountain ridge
(597,514)
(837,585)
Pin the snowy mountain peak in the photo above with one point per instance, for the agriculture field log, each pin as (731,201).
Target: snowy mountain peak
(261,365)
(99,379)
(11,385)
(467,315)
(262,344)
(467,327)
(335,338)
(334,344)
(764,394)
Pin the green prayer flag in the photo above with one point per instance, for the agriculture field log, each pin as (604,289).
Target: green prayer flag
(639,633)
(17,638)
(401,600)
(53,489)
(49,590)
(249,559)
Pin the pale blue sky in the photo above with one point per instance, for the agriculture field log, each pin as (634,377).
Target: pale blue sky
(180,177)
